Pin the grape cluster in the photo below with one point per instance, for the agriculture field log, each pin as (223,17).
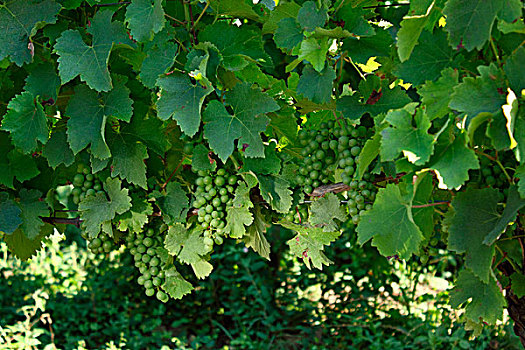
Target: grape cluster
(492,175)
(213,192)
(360,197)
(333,145)
(85,184)
(298,214)
(143,246)
(101,244)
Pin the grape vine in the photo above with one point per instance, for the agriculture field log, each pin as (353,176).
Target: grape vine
(208,120)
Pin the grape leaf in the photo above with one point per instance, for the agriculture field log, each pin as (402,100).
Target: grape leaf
(175,285)
(26,121)
(518,284)
(10,213)
(174,205)
(57,150)
(148,129)
(234,8)
(514,68)
(32,208)
(389,99)
(145,17)
(362,49)
(436,95)
(14,163)
(249,106)
(312,50)
(24,248)
(354,21)
(19,21)
(520,175)
(288,34)
(270,164)
(461,14)
(408,35)
(135,219)
(238,215)
(424,217)
(160,56)
(283,10)
(43,81)
(189,247)
(484,301)
(90,61)
(235,44)
(204,59)
(513,205)
(88,112)
(97,209)
(128,159)
(309,244)
(478,207)
(182,101)
(316,86)
(324,210)
(255,238)
(309,17)
(452,163)
(480,94)
(275,192)
(429,58)
(200,159)
(369,152)
(390,224)
(415,142)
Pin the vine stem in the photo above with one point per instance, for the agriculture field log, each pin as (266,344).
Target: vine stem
(172,173)
(67,221)
(495,50)
(114,4)
(430,204)
(200,16)
(174,19)
(507,258)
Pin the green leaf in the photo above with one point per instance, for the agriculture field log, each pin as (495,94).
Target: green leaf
(479,94)
(424,217)
(249,106)
(255,238)
(436,95)
(415,142)
(288,34)
(128,159)
(390,224)
(43,81)
(389,99)
(309,244)
(32,209)
(518,284)
(98,209)
(484,301)
(10,213)
(324,210)
(238,214)
(182,101)
(235,44)
(90,61)
(19,21)
(520,174)
(514,68)
(275,192)
(430,57)
(478,207)
(316,86)
(201,160)
(174,205)
(270,164)
(453,162)
(513,205)
(26,121)
(175,285)
(369,152)
(148,129)
(312,50)
(57,150)
(88,112)
(15,164)
(234,8)
(354,21)
(360,50)
(469,22)
(24,248)
(138,216)
(309,17)
(189,247)
(283,10)
(159,59)
(145,17)
(204,59)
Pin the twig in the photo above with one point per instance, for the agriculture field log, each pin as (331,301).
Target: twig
(173,173)
(430,204)
(53,220)
(200,16)
(113,4)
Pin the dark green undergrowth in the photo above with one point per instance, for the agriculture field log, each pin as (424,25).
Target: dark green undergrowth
(67,298)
